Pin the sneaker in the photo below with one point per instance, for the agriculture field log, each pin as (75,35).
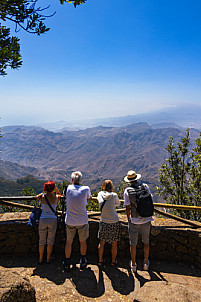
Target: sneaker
(66,266)
(146,266)
(133,267)
(83,262)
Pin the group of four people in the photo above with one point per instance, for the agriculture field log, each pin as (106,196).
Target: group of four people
(76,220)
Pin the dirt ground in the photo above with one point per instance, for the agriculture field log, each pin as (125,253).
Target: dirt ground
(165,281)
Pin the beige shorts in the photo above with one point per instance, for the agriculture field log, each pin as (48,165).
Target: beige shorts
(47,230)
(83,232)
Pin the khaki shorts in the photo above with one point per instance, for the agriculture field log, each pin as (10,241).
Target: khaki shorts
(135,229)
(47,230)
(83,232)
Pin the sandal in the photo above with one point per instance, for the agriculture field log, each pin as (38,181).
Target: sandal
(114,263)
(100,263)
(48,261)
(40,261)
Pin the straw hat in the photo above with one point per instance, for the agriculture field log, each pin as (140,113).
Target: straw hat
(132,176)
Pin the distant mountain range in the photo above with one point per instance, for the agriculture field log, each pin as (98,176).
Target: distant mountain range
(99,152)
(184,116)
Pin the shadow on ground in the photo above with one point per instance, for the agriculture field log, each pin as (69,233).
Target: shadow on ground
(86,283)
(121,282)
(91,282)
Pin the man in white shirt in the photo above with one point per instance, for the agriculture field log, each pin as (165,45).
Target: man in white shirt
(76,218)
(136,223)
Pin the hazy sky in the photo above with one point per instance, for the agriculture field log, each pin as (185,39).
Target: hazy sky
(106,58)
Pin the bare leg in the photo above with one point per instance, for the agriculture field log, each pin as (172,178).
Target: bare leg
(49,251)
(133,253)
(68,248)
(83,247)
(41,252)
(101,250)
(146,253)
(114,251)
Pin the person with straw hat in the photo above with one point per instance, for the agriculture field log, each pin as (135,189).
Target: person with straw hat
(136,223)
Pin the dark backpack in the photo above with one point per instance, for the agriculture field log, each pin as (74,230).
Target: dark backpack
(34,217)
(143,200)
(35,214)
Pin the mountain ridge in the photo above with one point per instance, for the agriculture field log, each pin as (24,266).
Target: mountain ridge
(185,116)
(100,152)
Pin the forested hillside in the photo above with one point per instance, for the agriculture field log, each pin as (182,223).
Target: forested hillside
(15,188)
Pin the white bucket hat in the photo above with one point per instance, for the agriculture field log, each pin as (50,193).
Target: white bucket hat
(132,176)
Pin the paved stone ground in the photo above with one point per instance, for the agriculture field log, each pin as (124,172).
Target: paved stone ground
(166,281)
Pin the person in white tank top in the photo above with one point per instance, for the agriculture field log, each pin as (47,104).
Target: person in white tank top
(48,219)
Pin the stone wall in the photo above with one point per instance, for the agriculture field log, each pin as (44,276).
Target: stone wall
(180,244)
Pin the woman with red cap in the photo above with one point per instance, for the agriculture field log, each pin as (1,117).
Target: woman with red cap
(48,219)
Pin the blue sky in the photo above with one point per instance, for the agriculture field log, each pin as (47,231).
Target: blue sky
(104,59)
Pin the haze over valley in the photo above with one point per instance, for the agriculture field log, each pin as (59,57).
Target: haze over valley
(99,152)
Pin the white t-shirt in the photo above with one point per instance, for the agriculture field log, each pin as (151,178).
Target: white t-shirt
(139,219)
(76,201)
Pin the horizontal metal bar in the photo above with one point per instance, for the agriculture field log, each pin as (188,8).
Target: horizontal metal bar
(92,214)
(158,205)
(186,221)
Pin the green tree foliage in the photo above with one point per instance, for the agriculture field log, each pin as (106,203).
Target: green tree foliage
(9,51)
(25,192)
(61,185)
(179,175)
(28,192)
(62,203)
(195,178)
(27,15)
(120,189)
(14,188)
(92,205)
(29,182)
(75,2)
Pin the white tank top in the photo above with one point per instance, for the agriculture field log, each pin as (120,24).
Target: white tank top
(47,212)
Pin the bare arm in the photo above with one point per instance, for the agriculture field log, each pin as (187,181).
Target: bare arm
(57,192)
(128,212)
(38,196)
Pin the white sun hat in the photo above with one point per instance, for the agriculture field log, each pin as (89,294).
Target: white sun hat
(132,176)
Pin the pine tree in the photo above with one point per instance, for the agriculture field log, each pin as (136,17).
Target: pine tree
(173,174)
(195,178)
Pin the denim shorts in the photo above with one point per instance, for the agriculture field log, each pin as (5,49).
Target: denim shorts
(83,231)
(142,229)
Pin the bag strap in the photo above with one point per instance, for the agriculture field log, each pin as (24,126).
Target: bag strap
(103,205)
(132,202)
(55,212)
